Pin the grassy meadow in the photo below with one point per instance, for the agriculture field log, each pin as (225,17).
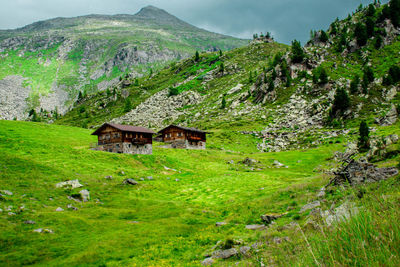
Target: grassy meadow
(168,221)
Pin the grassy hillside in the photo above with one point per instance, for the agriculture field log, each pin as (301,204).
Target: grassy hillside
(176,218)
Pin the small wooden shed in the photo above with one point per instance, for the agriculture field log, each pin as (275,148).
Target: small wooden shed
(183,137)
(128,139)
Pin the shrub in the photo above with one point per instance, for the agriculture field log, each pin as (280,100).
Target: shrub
(173,91)
(323,77)
(223,102)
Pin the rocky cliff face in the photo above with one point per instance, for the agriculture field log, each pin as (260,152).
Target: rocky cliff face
(60,57)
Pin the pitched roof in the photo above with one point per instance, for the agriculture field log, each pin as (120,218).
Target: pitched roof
(183,128)
(125,128)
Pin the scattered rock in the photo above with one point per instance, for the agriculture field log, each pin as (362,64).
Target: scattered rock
(44,231)
(255,227)
(71,207)
(207,262)
(390,118)
(277,164)
(341,213)
(220,224)
(249,161)
(245,250)
(150,178)
(169,169)
(109,177)
(6,192)
(177,180)
(11,213)
(224,254)
(134,222)
(268,218)
(321,193)
(121,173)
(71,183)
(85,195)
(130,181)
(358,172)
(141,179)
(279,240)
(29,222)
(59,209)
(310,206)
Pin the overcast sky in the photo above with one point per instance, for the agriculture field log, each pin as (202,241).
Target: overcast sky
(286,19)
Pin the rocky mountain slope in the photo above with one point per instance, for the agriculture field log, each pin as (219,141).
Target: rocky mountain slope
(58,58)
(288,97)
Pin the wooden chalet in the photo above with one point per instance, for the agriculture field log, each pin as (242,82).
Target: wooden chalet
(128,139)
(183,137)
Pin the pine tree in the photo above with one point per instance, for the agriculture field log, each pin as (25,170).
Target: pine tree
(297,52)
(197,56)
(220,53)
(136,82)
(223,102)
(370,25)
(80,96)
(251,77)
(341,102)
(128,105)
(363,141)
(323,77)
(222,68)
(323,37)
(368,75)
(271,86)
(361,34)
(354,84)
(378,42)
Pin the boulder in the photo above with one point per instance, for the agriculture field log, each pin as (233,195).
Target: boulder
(29,222)
(71,183)
(59,209)
(130,181)
(220,224)
(359,172)
(71,207)
(150,178)
(109,177)
(245,250)
(207,262)
(269,218)
(44,231)
(224,254)
(255,227)
(277,164)
(85,195)
(390,118)
(341,213)
(310,206)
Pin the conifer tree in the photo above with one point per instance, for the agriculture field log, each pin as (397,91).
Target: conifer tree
(354,84)
(323,77)
(297,52)
(128,105)
(197,56)
(363,141)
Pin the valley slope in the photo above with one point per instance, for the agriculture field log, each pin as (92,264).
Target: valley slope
(49,62)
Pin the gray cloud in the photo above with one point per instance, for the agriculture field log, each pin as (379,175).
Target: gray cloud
(286,19)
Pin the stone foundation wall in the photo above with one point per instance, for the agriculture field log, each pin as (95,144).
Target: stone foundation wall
(127,148)
(185,144)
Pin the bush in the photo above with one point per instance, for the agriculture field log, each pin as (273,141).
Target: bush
(173,91)
(323,76)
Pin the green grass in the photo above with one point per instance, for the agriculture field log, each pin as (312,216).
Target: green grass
(176,219)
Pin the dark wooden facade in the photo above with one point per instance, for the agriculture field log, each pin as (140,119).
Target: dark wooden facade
(183,137)
(124,139)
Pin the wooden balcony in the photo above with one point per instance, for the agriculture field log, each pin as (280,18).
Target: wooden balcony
(194,138)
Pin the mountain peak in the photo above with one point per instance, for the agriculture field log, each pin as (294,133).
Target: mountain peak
(153,12)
